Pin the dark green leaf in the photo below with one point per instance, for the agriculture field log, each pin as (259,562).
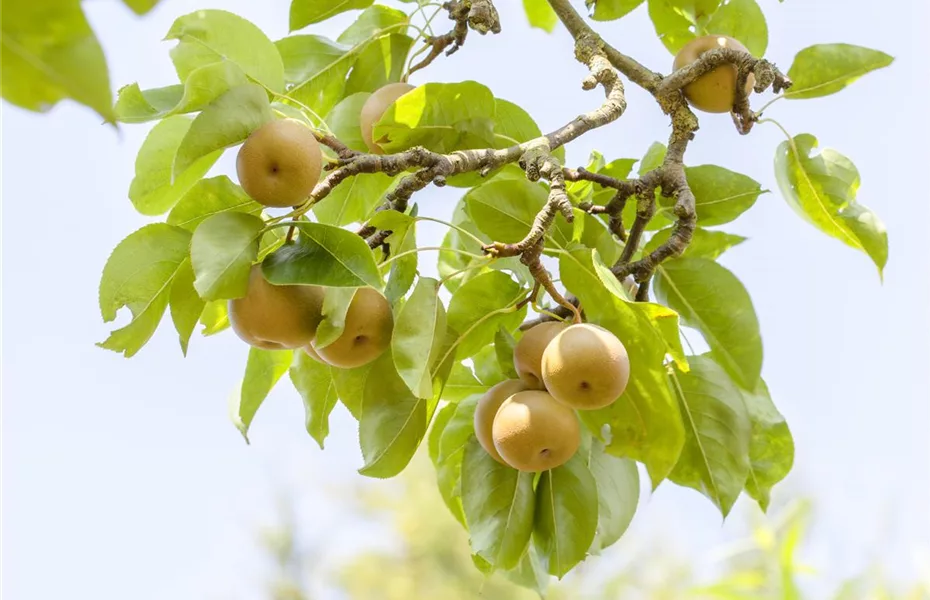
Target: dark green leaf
(419,328)
(336,301)
(825,69)
(323,255)
(372,20)
(498,502)
(222,251)
(442,117)
(566,515)
(210,197)
(644,422)
(477,309)
(822,189)
(677,22)
(307,12)
(319,68)
(314,381)
(154,189)
(771,449)
(617,495)
(211,36)
(456,434)
(49,53)
(540,14)
(227,121)
(393,421)
(705,243)
(379,62)
(185,304)
(204,85)
(712,300)
(262,371)
(715,458)
(353,200)
(608,10)
(139,275)
(744,21)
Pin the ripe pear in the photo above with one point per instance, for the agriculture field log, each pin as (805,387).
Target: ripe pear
(368,328)
(527,354)
(586,367)
(276,317)
(715,91)
(533,432)
(487,410)
(279,163)
(375,107)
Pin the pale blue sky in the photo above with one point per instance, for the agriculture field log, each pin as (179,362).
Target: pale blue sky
(125,478)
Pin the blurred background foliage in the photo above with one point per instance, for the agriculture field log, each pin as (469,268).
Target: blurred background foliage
(430,560)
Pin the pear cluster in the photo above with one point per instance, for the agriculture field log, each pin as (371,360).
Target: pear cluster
(286,317)
(715,91)
(531,423)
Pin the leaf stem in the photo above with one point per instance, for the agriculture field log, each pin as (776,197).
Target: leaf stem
(450,225)
(427,248)
(472,267)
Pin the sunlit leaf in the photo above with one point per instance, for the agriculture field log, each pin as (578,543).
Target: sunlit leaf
(307,12)
(825,69)
(222,250)
(540,14)
(771,449)
(478,308)
(314,381)
(185,304)
(209,197)
(262,371)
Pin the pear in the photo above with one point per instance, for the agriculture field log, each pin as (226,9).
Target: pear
(715,91)
(487,410)
(586,367)
(527,354)
(375,107)
(369,324)
(279,163)
(533,432)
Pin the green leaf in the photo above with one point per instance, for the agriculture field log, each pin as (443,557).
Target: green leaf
(204,85)
(222,251)
(307,12)
(262,371)
(369,22)
(323,255)
(210,197)
(314,381)
(452,441)
(825,69)
(379,62)
(712,300)
(336,302)
(185,304)
(530,573)
(403,269)
(154,189)
(442,117)
(498,503)
(49,53)
(211,36)
(227,121)
(609,10)
(452,262)
(715,458)
(822,189)
(677,22)
(343,121)
(653,158)
(720,195)
(540,14)
(353,200)
(513,125)
(505,207)
(350,385)
(215,317)
(461,384)
(436,430)
(644,422)
(140,7)
(420,326)
(582,191)
(488,367)
(771,448)
(504,344)
(318,66)
(743,20)
(617,495)
(477,309)
(705,243)
(139,274)
(393,421)
(566,515)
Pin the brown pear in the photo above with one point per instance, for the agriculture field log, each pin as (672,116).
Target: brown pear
(375,107)
(276,317)
(368,327)
(586,367)
(714,91)
(532,432)
(527,354)
(487,410)
(279,163)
